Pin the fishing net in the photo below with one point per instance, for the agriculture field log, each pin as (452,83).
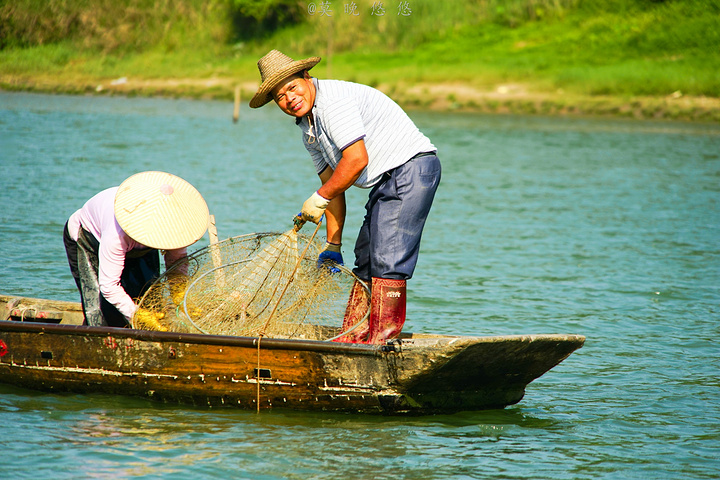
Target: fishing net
(261,284)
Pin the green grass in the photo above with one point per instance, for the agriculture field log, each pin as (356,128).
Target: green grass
(608,53)
(620,48)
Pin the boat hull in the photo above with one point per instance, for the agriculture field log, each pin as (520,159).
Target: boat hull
(415,374)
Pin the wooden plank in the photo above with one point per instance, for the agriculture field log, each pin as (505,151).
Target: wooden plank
(33,309)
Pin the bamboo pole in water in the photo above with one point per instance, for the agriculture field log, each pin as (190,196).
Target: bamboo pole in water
(236,108)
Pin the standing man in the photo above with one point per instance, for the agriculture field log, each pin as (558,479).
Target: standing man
(356,135)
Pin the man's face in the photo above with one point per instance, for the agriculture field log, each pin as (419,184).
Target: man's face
(295,96)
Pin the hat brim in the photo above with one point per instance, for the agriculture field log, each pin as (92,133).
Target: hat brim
(161,210)
(264,93)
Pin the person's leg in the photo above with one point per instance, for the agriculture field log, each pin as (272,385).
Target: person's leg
(387,309)
(362,244)
(398,217)
(87,265)
(357,308)
(358,301)
(71,250)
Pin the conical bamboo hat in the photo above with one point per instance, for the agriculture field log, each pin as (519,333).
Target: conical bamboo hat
(161,210)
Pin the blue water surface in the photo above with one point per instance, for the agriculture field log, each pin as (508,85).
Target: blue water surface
(605,228)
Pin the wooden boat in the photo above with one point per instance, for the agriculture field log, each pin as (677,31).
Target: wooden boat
(44,346)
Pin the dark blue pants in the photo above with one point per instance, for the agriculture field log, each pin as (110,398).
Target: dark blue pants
(389,239)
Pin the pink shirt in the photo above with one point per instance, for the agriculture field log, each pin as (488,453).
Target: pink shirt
(97,216)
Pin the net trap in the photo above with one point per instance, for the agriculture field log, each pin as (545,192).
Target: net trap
(256,285)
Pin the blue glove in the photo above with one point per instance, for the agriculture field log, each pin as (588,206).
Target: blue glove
(330,256)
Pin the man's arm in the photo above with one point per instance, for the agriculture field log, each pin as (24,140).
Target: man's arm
(351,165)
(335,182)
(335,212)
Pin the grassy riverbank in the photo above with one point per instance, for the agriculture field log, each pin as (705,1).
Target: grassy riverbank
(639,58)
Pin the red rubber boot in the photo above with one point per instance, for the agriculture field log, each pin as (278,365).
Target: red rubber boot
(387,309)
(356,309)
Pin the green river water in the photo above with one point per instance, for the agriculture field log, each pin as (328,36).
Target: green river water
(605,228)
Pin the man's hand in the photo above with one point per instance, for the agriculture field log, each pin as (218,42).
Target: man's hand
(314,208)
(298,221)
(330,256)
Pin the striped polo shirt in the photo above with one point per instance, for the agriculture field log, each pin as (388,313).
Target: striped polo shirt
(346,112)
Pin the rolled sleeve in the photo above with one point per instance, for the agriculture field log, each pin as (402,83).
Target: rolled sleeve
(111,261)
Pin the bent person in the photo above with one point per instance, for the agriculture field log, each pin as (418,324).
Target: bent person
(356,135)
(113,241)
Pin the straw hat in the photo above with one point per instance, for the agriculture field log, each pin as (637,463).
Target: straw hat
(274,68)
(161,210)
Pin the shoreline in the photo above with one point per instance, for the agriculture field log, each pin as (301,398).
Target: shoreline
(449,97)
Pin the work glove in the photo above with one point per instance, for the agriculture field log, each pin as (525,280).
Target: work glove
(314,208)
(149,320)
(330,256)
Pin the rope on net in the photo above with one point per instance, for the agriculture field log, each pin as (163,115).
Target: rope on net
(272,313)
